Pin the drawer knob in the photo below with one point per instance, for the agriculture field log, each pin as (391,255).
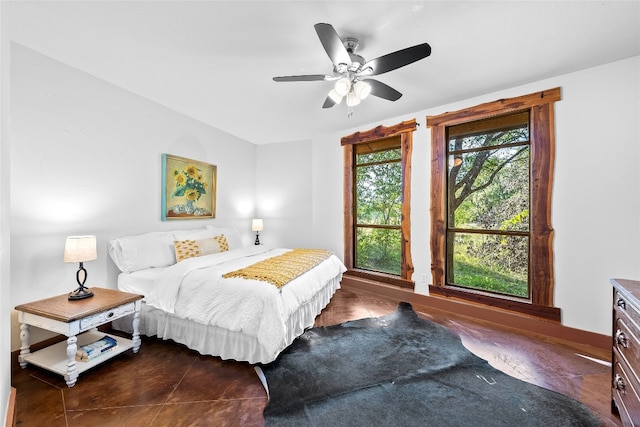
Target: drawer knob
(618,383)
(621,339)
(110,314)
(621,303)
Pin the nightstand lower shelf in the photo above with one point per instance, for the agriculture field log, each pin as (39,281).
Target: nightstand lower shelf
(54,357)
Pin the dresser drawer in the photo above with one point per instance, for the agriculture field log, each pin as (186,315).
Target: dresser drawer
(625,392)
(106,316)
(624,306)
(626,342)
(625,367)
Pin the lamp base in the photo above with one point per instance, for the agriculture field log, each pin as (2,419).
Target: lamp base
(80,293)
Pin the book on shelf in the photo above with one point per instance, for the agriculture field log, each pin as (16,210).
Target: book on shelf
(90,351)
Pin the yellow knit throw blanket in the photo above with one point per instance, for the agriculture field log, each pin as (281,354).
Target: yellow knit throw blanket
(281,269)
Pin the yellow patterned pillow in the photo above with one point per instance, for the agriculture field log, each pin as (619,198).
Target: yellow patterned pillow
(194,248)
(222,241)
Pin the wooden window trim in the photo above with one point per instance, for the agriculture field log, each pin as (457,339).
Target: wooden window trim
(405,131)
(542,137)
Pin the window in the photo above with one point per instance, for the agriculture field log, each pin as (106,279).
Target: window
(487,210)
(377,192)
(491,181)
(378,206)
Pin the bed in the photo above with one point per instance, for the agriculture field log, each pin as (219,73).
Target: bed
(187,299)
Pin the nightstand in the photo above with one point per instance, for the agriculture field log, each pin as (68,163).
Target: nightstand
(77,320)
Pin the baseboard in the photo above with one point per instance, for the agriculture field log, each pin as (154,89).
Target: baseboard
(590,343)
(10,420)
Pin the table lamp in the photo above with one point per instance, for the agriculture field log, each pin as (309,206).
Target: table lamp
(80,249)
(257,225)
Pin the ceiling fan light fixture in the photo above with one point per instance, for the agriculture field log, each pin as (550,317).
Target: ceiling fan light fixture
(362,89)
(352,99)
(342,86)
(335,96)
(351,71)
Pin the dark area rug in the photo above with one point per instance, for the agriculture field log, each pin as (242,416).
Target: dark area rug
(401,370)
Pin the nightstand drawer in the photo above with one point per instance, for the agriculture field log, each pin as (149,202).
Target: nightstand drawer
(106,316)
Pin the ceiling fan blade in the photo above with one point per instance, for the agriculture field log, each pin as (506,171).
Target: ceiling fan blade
(398,59)
(383,90)
(332,44)
(303,78)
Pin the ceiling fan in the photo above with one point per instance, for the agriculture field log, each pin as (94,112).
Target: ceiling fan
(351,72)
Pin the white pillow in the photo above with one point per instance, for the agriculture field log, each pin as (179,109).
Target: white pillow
(133,253)
(233,237)
(156,249)
(196,234)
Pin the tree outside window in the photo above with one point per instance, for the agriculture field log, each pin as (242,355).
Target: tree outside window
(491,184)
(488,205)
(377,191)
(378,202)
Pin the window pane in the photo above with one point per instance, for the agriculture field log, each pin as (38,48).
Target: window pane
(488,140)
(489,189)
(379,150)
(489,132)
(494,263)
(379,194)
(379,249)
(379,156)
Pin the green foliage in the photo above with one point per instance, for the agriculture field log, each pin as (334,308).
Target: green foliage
(379,202)
(379,194)
(473,273)
(379,156)
(489,190)
(378,249)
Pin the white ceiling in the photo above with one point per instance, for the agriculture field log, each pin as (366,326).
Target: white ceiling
(214,60)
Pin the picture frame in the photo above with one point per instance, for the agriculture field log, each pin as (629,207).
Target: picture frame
(188,188)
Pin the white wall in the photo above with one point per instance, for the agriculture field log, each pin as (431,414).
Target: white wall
(596,191)
(283,195)
(5,283)
(86,159)
(327,189)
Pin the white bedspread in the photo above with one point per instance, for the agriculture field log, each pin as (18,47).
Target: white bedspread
(194,289)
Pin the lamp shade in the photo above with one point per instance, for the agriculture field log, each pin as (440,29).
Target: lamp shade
(335,97)
(80,249)
(343,86)
(362,89)
(352,99)
(257,225)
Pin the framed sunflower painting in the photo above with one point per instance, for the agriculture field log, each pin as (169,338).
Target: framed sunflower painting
(188,188)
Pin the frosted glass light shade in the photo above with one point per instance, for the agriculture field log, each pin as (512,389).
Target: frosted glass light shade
(343,86)
(335,97)
(80,249)
(257,225)
(362,89)
(352,99)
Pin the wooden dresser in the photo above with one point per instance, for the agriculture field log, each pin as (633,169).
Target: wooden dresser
(625,372)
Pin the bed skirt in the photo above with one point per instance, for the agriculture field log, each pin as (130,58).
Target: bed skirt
(216,341)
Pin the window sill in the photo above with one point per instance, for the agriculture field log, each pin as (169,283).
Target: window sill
(380,277)
(542,312)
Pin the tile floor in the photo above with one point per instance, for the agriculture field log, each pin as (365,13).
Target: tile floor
(166,384)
